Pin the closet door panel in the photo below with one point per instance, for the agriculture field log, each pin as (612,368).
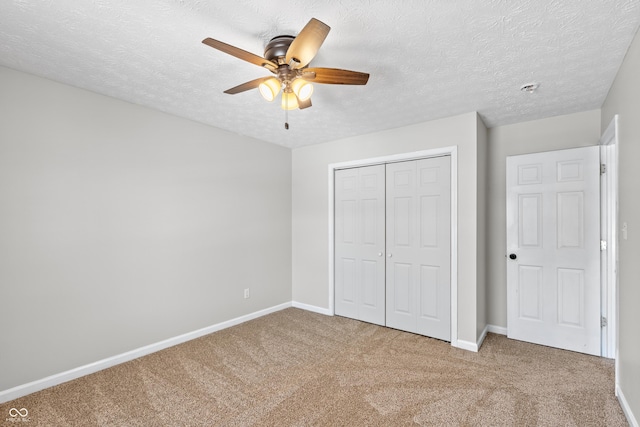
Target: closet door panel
(418,247)
(346,277)
(359,244)
(401,242)
(434,251)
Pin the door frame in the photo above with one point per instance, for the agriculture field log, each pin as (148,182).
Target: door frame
(609,233)
(415,155)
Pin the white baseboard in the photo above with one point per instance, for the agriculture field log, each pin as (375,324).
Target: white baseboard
(633,422)
(50,381)
(483,335)
(472,346)
(467,345)
(497,329)
(313,308)
(489,328)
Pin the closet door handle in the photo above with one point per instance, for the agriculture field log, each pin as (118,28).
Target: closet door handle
(380,253)
(390,255)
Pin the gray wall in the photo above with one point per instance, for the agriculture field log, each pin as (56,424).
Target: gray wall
(624,99)
(310,205)
(555,133)
(481,244)
(121,226)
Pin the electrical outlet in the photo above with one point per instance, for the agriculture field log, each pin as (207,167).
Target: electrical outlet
(246,293)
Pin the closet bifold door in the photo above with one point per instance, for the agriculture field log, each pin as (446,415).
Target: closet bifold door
(359,240)
(418,227)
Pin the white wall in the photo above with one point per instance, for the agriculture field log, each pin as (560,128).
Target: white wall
(121,226)
(624,99)
(555,133)
(310,205)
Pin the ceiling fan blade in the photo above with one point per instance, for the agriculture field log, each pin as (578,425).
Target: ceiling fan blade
(305,46)
(304,104)
(247,86)
(239,53)
(335,76)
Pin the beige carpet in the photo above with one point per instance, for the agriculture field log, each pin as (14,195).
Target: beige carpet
(296,368)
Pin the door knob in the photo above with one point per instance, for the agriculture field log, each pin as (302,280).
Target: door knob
(380,254)
(390,255)
(513,256)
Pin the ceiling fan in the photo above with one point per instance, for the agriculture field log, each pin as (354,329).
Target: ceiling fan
(288,57)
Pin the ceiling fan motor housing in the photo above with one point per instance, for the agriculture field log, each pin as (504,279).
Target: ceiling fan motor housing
(276,49)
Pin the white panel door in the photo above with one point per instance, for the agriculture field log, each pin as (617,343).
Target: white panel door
(359,243)
(418,247)
(553,249)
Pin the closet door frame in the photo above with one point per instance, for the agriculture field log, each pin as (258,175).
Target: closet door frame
(436,152)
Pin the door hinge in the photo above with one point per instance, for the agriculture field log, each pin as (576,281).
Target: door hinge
(603,168)
(603,245)
(603,321)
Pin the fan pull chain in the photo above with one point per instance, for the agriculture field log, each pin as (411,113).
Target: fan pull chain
(286,113)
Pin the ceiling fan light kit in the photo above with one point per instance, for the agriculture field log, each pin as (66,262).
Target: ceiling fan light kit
(288,58)
(302,89)
(270,88)
(289,101)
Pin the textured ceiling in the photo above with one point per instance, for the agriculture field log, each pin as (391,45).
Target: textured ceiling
(427,59)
